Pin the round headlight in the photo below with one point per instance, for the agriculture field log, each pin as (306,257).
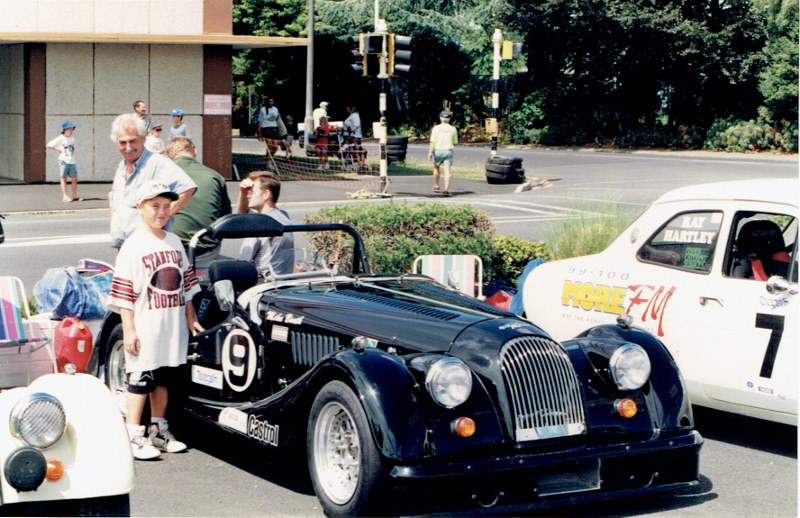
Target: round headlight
(449,382)
(39,420)
(630,367)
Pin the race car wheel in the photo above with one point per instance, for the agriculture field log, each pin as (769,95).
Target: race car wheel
(344,463)
(115,378)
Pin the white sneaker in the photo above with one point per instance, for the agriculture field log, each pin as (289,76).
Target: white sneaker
(142,449)
(162,438)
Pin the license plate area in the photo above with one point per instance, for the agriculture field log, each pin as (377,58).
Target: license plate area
(574,477)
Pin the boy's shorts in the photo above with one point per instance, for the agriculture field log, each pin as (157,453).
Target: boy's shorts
(147,381)
(68,170)
(444,156)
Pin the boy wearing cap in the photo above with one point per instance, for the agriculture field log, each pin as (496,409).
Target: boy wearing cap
(444,138)
(152,290)
(65,145)
(178,128)
(153,142)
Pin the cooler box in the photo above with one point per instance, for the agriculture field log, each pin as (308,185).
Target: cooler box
(73,343)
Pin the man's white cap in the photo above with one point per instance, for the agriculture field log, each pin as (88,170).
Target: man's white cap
(323,104)
(153,188)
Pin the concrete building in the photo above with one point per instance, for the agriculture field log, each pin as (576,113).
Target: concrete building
(89,60)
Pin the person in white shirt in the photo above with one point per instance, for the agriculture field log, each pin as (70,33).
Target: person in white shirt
(64,144)
(353,122)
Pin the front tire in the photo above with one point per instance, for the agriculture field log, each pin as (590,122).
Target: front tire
(344,464)
(115,378)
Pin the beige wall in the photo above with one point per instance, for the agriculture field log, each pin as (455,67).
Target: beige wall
(103,16)
(104,81)
(11,111)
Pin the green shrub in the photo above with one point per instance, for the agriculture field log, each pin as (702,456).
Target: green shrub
(589,234)
(396,233)
(752,135)
(512,254)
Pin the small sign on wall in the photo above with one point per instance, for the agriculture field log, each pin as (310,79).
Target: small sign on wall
(216,104)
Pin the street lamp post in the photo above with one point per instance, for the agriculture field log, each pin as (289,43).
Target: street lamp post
(309,120)
(497,40)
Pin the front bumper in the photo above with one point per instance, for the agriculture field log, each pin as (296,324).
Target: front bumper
(535,480)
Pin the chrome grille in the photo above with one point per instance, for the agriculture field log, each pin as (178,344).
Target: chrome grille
(308,349)
(543,389)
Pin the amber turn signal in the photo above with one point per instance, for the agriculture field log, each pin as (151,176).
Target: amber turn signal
(55,470)
(625,407)
(463,427)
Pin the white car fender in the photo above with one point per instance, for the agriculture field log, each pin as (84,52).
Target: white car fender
(94,449)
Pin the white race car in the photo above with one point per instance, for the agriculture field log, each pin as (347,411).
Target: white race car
(711,270)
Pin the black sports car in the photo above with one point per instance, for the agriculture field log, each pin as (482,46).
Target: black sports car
(392,380)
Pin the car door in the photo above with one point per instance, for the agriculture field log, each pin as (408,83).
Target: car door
(737,345)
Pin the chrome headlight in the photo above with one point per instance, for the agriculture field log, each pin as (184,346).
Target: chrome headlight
(630,367)
(449,382)
(39,420)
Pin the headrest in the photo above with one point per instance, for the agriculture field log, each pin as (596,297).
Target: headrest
(761,237)
(242,274)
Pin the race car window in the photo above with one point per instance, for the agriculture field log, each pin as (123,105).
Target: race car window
(686,242)
(762,244)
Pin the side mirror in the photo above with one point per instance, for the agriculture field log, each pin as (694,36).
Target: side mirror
(777,284)
(223,290)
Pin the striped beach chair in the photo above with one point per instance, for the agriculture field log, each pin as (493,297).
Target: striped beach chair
(461,272)
(18,337)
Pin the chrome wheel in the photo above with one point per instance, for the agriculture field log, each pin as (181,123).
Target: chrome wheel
(115,377)
(337,452)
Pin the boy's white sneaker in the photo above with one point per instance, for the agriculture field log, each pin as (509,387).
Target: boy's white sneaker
(142,449)
(162,438)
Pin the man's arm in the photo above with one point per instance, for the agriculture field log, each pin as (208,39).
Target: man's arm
(242,206)
(183,199)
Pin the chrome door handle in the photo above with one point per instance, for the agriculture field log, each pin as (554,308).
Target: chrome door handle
(706,300)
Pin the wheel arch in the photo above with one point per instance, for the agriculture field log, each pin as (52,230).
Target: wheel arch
(385,390)
(98,356)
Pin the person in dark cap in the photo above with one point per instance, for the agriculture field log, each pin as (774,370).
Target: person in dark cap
(444,138)
(64,144)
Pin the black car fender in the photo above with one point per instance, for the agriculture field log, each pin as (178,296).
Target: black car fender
(389,397)
(664,394)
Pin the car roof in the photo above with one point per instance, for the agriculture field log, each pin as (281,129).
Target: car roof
(774,190)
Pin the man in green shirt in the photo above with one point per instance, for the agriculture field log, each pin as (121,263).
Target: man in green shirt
(444,138)
(209,203)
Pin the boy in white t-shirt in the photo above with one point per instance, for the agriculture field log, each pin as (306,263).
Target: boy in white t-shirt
(152,290)
(64,144)
(178,128)
(154,143)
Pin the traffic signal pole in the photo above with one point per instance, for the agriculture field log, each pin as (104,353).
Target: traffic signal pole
(497,40)
(383,75)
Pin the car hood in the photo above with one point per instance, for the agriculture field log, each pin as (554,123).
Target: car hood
(415,315)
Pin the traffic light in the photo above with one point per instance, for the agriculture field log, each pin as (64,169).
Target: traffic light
(367,49)
(359,58)
(399,51)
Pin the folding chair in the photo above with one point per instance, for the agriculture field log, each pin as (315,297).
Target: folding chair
(18,337)
(462,272)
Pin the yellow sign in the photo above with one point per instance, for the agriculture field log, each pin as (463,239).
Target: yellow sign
(491,126)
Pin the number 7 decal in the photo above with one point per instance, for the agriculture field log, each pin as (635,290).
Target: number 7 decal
(774,322)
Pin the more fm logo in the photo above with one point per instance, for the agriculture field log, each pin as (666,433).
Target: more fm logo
(646,301)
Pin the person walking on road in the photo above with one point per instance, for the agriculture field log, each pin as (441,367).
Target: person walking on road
(444,138)
(152,290)
(64,144)
(208,204)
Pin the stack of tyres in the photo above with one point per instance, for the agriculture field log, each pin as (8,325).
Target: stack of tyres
(396,148)
(502,169)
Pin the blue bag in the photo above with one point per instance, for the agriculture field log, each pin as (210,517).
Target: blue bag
(64,292)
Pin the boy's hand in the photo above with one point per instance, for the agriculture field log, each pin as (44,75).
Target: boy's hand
(195,328)
(131,341)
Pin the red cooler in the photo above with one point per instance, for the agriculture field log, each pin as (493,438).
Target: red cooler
(73,344)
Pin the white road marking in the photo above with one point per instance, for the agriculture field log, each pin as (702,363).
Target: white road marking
(57,240)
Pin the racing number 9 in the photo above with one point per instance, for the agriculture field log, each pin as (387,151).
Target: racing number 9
(775,323)
(238,360)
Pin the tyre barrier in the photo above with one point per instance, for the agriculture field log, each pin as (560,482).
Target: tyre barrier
(501,169)
(396,148)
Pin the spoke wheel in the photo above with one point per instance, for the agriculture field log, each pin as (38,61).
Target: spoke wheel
(345,465)
(115,378)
